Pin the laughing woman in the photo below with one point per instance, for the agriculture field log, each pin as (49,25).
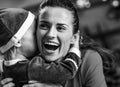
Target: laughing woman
(58,24)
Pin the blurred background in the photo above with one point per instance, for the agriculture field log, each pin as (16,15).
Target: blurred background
(99,19)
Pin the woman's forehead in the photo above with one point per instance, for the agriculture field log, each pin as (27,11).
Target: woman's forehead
(56,14)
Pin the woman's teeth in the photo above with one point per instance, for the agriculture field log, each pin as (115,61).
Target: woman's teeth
(51,46)
(49,43)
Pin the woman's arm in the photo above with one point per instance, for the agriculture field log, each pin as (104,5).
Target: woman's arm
(41,85)
(7,82)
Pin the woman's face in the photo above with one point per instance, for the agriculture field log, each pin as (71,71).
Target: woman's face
(55,32)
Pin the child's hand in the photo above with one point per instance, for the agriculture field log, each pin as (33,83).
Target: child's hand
(75,45)
(76,42)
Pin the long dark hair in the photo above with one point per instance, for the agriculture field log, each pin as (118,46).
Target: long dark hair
(107,55)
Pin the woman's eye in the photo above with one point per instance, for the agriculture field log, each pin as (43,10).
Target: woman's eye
(61,28)
(43,26)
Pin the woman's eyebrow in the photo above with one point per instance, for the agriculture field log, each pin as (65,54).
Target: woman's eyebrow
(43,21)
(61,24)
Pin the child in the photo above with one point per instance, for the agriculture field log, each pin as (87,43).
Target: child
(18,67)
(17,42)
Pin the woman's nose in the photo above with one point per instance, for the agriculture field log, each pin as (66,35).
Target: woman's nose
(52,32)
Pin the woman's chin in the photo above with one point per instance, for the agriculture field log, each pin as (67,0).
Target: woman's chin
(50,58)
(51,55)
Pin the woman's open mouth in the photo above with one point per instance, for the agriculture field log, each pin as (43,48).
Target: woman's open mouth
(51,46)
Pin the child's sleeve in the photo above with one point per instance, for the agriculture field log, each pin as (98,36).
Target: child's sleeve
(16,69)
(53,72)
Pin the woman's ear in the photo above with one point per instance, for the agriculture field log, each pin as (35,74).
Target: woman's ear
(18,44)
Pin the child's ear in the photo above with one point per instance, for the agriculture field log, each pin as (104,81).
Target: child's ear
(18,44)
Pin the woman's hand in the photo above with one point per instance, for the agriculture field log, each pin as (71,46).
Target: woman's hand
(41,85)
(7,82)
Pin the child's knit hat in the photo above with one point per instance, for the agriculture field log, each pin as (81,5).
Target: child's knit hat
(14,22)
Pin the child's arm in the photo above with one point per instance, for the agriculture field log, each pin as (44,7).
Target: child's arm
(55,73)
(17,70)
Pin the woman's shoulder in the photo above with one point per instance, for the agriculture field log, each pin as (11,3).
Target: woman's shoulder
(91,60)
(92,56)
(91,65)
